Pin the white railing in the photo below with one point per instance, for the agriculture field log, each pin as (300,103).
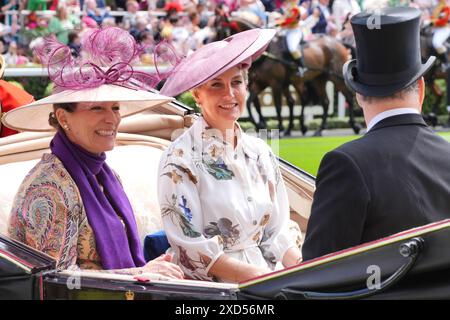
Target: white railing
(42,72)
(23,13)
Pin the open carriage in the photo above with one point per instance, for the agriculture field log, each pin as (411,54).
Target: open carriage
(411,264)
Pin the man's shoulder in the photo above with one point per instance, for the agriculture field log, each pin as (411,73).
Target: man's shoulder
(354,146)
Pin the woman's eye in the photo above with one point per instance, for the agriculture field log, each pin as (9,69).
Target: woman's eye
(96,108)
(116,109)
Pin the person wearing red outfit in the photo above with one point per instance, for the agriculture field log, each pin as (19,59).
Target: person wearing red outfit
(439,19)
(11,97)
(294,20)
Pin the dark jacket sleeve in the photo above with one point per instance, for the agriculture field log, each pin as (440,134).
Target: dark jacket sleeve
(339,208)
(321,25)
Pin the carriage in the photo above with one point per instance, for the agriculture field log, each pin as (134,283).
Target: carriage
(409,265)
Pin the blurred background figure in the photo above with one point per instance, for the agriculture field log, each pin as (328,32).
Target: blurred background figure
(61,24)
(13,56)
(96,13)
(341,9)
(130,16)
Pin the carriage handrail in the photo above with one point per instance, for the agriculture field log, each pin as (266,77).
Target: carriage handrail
(410,250)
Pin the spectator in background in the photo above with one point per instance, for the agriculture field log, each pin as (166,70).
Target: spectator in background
(252,11)
(222,21)
(341,9)
(130,16)
(87,23)
(13,57)
(199,35)
(96,13)
(142,26)
(60,25)
(372,5)
(11,97)
(31,21)
(180,35)
(201,9)
(168,23)
(35,5)
(109,22)
(2,46)
(325,16)
(74,44)
(269,5)
(9,5)
(101,4)
(293,23)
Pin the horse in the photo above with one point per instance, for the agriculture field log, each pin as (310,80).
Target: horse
(324,58)
(432,75)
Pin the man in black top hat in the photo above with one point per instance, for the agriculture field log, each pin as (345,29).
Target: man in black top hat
(397,176)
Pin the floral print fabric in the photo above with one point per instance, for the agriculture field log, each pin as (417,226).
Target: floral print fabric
(217,199)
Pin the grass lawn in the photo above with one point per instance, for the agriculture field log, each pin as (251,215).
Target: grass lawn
(306,153)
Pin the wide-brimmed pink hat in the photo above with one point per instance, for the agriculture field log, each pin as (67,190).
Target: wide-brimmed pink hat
(215,58)
(103,72)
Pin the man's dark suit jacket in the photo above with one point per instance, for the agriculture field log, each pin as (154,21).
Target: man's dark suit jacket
(394,178)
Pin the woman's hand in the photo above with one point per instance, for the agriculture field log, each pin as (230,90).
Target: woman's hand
(231,269)
(163,266)
(292,257)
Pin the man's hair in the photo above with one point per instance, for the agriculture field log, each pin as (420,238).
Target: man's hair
(413,88)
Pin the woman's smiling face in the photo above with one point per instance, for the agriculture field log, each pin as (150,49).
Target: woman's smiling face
(92,126)
(223,98)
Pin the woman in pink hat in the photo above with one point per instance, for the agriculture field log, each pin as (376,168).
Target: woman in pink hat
(223,201)
(71,205)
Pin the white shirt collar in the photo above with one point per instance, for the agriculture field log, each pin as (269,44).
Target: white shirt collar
(389,113)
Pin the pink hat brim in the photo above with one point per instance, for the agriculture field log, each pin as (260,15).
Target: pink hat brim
(215,58)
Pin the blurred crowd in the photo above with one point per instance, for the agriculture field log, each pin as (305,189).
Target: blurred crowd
(187,24)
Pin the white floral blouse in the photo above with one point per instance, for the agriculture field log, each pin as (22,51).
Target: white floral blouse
(218,200)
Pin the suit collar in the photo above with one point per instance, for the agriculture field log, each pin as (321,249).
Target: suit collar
(399,120)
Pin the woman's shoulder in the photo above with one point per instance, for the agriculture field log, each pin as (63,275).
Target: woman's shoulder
(183,144)
(256,144)
(49,175)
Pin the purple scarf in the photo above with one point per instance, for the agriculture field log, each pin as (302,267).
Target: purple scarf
(118,249)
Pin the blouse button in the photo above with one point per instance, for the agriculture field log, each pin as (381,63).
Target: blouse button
(255,222)
(235,157)
(249,199)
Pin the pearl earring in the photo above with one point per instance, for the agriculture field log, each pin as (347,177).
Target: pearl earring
(66,127)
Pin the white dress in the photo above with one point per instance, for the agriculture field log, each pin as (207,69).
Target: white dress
(218,200)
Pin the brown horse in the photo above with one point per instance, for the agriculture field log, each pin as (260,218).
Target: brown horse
(324,58)
(432,75)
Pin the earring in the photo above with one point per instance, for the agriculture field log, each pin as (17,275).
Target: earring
(66,127)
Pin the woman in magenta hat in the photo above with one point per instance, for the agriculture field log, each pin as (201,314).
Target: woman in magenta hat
(223,201)
(71,205)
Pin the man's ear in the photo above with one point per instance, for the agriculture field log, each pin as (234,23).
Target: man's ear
(359,98)
(421,90)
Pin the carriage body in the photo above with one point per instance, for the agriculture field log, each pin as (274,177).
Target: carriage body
(28,274)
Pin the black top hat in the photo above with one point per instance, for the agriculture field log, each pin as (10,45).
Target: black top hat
(387,52)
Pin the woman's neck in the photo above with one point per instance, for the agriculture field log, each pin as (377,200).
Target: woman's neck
(228,132)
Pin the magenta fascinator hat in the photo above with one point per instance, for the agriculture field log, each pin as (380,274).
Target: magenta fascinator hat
(215,58)
(102,73)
